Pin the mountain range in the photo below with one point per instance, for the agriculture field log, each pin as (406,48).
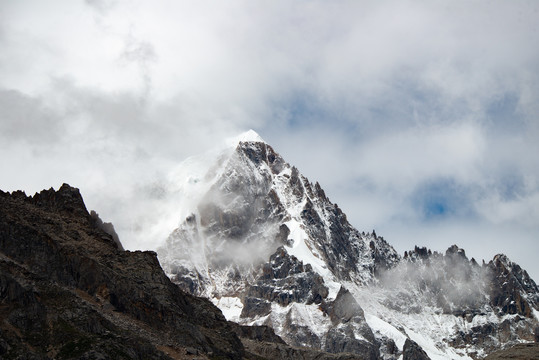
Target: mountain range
(262,266)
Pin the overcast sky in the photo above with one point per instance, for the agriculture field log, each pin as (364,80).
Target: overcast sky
(419,118)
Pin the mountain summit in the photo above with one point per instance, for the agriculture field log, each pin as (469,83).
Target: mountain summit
(248,136)
(268,247)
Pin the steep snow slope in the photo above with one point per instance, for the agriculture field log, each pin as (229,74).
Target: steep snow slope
(268,247)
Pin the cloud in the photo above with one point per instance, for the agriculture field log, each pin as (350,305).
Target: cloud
(442,198)
(412,116)
(142,54)
(26,119)
(101,6)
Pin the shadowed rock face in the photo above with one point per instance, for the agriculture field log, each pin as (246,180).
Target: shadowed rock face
(513,291)
(412,351)
(68,291)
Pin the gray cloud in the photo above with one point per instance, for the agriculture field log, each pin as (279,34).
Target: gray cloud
(101,6)
(142,54)
(24,118)
(376,101)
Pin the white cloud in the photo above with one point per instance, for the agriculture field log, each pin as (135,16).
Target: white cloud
(375,100)
(403,159)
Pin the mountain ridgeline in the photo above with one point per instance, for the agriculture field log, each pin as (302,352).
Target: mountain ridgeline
(268,247)
(68,290)
(264,266)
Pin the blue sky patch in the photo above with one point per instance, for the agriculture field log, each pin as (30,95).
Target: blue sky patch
(442,198)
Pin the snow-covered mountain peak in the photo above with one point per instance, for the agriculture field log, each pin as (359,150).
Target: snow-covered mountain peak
(269,248)
(248,136)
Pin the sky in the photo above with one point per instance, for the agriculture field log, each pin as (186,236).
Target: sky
(420,119)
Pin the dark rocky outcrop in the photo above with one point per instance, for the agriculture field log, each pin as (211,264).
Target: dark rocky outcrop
(512,290)
(106,227)
(283,352)
(527,351)
(67,290)
(351,332)
(257,333)
(412,351)
(284,279)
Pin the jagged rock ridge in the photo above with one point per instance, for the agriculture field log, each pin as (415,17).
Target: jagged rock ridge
(269,247)
(69,291)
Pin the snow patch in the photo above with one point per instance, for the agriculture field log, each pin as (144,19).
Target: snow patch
(310,316)
(248,136)
(386,329)
(300,250)
(231,307)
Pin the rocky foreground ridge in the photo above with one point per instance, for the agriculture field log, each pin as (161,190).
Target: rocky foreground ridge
(69,291)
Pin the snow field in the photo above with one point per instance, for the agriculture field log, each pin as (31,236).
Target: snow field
(231,307)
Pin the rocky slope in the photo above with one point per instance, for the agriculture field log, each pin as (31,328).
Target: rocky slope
(527,351)
(269,248)
(69,291)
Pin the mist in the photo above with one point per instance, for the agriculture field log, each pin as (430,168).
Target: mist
(450,283)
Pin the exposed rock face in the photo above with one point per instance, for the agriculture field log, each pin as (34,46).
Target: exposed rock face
(412,351)
(512,289)
(282,352)
(285,280)
(106,227)
(67,291)
(350,331)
